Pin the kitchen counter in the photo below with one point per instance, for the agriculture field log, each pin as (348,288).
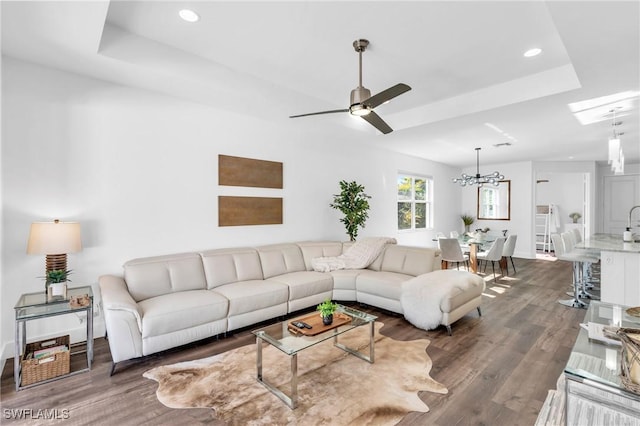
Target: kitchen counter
(608,242)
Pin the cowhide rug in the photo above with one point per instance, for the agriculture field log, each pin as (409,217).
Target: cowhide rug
(333,386)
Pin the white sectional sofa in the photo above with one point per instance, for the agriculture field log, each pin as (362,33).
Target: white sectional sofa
(167,301)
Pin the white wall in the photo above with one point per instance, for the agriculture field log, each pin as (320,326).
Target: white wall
(565,191)
(521,221)
(583,168)
(138,170)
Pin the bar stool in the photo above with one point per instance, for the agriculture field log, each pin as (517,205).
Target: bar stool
(569,247)
(559,249)
(589,266)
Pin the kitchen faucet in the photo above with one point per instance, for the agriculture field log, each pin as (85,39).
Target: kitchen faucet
(629,221)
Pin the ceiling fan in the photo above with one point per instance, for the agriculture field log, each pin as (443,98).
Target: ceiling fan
(362,103)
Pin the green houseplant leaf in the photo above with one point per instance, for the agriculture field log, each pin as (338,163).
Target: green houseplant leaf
(467,219)
(353,202)
(57,276)
(327,308)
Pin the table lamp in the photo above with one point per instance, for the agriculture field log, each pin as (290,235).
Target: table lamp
(54,239)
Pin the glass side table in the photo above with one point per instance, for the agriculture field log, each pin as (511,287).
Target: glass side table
(32,306)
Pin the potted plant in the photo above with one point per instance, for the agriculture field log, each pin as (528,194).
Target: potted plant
(467,220)
(354,204)
(327,308)
(56,283)
(575,217)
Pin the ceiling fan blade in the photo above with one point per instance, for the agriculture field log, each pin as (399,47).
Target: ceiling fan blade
(319,113)
(386,95)
(377,122)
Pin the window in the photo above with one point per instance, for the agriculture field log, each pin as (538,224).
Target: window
(415,201)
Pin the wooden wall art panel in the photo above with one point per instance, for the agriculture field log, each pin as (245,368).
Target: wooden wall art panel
(238,211)
(239,171)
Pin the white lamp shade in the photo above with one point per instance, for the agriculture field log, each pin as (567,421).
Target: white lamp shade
(54,238)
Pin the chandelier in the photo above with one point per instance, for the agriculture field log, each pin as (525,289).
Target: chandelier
(478,179)
(616,156)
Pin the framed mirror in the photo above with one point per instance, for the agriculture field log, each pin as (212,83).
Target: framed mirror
(494,202)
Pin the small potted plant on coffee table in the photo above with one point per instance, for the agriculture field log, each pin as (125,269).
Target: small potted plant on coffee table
(327,308)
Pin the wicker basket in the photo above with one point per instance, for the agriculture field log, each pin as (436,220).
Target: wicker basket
(37,370)
(630,359)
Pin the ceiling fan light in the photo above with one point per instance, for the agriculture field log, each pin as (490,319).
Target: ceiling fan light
(189,15)
(359,110)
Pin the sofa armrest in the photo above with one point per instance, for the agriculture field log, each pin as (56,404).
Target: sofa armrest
(122,317)
(115,296)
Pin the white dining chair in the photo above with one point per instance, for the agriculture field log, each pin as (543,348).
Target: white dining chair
(493,254)
(508,250)
(454,234)
(451,252)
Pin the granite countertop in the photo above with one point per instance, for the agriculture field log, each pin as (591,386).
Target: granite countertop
(608,242)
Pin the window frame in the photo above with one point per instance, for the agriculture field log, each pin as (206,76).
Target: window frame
(428,201)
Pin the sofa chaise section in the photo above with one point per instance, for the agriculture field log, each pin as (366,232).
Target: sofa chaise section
(381,283)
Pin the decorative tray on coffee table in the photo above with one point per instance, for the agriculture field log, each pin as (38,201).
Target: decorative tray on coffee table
(315,321)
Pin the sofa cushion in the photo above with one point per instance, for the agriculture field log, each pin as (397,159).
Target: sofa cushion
(227,266)
(383,284)
(312,249)
(345,279)
(407,260)
(181,310)
(278,259)
(305,283)
(249,296)
(155,276)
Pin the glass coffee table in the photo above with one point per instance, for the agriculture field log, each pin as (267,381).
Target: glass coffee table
(279,336)
(594,391)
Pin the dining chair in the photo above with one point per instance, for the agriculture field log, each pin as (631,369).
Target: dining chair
(508,250)
(493,254)
(451,252)
(454,234)
(440,235)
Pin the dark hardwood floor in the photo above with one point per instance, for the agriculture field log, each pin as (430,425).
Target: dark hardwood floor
(497,368)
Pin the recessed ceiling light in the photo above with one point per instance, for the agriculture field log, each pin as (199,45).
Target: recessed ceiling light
(532,52)
(189,15)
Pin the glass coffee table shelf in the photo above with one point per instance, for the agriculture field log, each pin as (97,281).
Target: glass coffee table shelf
(594,391)
(279,336)
(33,306)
